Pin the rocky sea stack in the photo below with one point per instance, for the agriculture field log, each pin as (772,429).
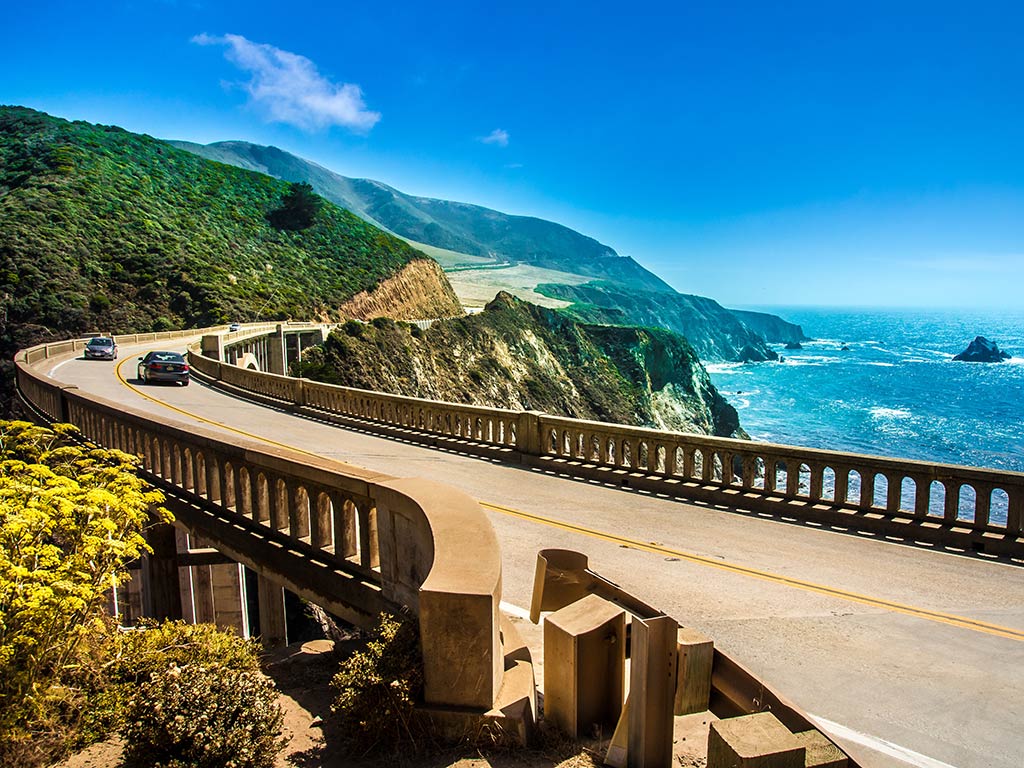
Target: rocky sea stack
(981,350)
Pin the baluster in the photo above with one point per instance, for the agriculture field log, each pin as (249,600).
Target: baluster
(842,485)
(213,478)
(951,508)
(278,497)
(749,475)
(229,486)
(817,481)
(792,477)
(893,493)
(1014,508)
(346,543)
(320,518)
(867,489)
(982,503)
(298,512)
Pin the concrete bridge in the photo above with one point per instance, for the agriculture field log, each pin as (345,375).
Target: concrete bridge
(265,488)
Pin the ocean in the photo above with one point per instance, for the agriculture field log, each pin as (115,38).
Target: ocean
(895,392)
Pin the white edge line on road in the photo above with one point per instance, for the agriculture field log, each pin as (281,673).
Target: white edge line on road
(902,754)
(879,745)
(59,365)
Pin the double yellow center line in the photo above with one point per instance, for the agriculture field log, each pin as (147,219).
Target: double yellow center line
(807,586)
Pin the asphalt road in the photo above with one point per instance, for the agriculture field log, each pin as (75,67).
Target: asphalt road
(905,655)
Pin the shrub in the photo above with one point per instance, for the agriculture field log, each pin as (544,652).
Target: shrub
(131,658)
(377,688)
(71,518)
(206,716)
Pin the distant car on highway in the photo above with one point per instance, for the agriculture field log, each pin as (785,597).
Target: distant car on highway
(163,366)
(234,327)
(101,348)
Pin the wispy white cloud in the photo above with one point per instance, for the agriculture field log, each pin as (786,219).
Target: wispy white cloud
(288,88)
(498,137)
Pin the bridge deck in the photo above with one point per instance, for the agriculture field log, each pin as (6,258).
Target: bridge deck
(899,644)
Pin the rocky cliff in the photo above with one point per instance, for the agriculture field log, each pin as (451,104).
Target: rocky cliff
(520,356)
(774,329)
(420,291)
(715,332)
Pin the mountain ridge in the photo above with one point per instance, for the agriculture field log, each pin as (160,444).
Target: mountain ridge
(457,226)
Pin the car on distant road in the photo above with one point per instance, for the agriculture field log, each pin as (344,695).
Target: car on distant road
(163,366)
(101,348)
(234,327)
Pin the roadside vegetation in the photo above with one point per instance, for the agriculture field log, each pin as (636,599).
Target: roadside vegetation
(72,517)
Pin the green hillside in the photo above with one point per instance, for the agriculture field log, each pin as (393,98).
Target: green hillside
(102,229)
(460,227)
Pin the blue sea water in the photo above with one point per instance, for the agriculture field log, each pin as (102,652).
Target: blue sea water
(895,392)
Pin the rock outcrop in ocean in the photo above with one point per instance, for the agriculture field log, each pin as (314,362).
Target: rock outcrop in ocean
(981,350)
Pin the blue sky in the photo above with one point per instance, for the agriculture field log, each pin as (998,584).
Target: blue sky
(759,153)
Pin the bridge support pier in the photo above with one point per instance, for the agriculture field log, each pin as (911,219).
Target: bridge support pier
(273,629)
(161,597)
(278,361)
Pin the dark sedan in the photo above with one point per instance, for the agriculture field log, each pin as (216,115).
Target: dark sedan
(101,348)
(163,366)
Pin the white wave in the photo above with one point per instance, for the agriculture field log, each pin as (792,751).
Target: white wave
(878,412)
(726,368)
(881,364)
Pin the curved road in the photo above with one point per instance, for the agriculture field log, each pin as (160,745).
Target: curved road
(906,655)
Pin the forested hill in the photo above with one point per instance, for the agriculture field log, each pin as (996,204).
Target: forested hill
(102,229)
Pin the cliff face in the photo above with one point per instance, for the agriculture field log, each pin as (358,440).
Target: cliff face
(519,356)
(420,291)
(772,327)
(715,332)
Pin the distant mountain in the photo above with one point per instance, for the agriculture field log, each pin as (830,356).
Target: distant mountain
(517,355)
(461,227)
(106,230)
(715,332)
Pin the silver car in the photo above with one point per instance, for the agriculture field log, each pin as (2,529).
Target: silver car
(163,366)
(101,348)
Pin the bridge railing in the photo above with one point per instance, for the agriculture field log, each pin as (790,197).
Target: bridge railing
(354,541)
(939,504)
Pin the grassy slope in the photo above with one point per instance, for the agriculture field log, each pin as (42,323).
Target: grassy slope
(101,228)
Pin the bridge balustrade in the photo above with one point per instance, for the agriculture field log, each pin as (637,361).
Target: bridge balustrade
(938,504)
(353,541)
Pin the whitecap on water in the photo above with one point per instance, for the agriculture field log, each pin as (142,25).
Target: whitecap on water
(726,368)
(878,412)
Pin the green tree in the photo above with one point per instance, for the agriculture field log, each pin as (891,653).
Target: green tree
(71,518)
(299,208)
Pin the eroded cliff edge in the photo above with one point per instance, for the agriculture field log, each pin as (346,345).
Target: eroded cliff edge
(520,356)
